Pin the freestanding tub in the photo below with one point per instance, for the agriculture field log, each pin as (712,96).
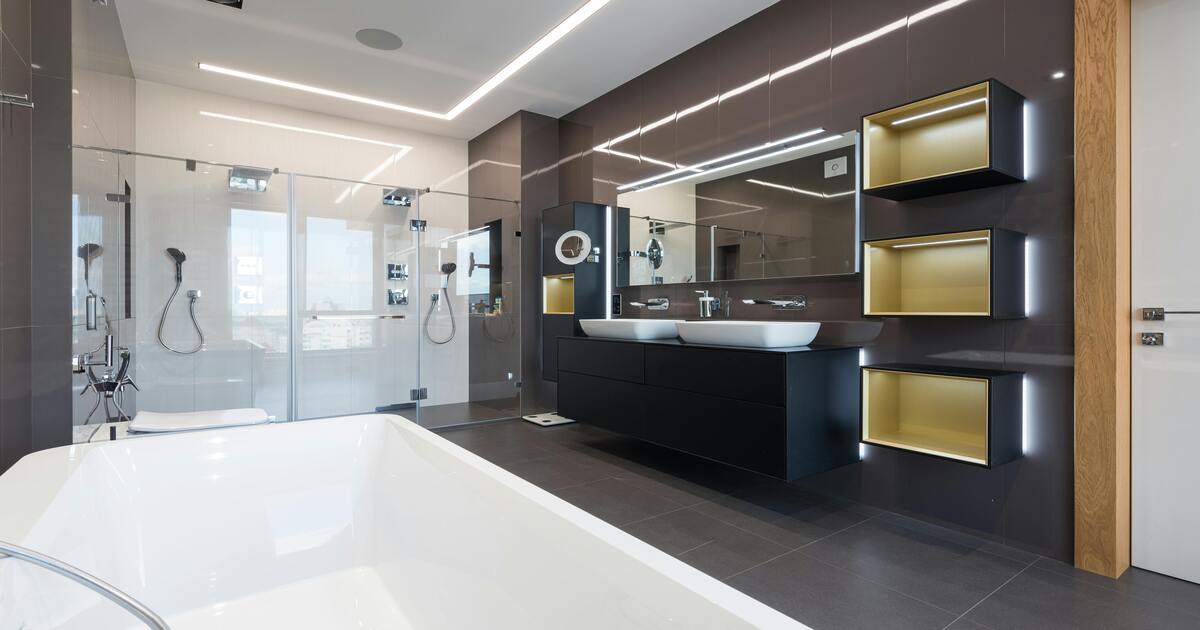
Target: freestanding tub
(365,522)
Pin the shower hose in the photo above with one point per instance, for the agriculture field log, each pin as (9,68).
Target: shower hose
(162,321)
(429,318)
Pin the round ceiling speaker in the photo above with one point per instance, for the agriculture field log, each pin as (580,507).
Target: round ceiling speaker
(379,39)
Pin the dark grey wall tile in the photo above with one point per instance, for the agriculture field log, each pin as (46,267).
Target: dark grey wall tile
(800,99)
(15,75)
(956,47)
(15,247)
(50,26)
(14,20)
(872,75)
(744,119)
(50,392)
(16,430)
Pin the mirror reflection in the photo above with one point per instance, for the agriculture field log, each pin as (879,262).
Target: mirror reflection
(790,214)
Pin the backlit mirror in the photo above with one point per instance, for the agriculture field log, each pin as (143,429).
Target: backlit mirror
(793,212)
(573,247)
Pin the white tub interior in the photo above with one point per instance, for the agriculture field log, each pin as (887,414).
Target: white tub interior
(360,522)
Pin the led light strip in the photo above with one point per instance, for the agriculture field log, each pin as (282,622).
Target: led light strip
(743,162)
(942,110)
(800,190)
(949,242)
(800,65)
(540,46)
(404,148)
(736,154)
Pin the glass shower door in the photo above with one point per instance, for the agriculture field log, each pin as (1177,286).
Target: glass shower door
(355,263)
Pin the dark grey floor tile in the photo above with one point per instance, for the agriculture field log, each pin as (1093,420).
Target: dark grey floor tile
(616,501)
(791,519)
(965,539)
(1153,587)
(1038,598)
(966,624)
(559,471)
(826,597)
(716,548)
(918,560)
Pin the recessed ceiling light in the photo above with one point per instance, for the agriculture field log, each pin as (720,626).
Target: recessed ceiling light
(379,39)
(538,47)
(1058,75)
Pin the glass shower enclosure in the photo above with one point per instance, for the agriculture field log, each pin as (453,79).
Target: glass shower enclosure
(228,287)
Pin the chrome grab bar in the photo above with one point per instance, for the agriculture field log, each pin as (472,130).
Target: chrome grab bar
(93,583)
(20,100)
(331,317)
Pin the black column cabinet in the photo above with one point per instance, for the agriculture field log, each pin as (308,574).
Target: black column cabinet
(786,413)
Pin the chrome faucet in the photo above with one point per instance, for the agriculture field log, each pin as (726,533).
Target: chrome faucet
(708,305)
(654,304)
(782,302)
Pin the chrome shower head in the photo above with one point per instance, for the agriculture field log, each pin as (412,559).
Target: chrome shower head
(178,256)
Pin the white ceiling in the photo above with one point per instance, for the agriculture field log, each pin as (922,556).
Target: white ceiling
(450,48)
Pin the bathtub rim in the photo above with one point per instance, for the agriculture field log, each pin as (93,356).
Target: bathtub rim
(33,482)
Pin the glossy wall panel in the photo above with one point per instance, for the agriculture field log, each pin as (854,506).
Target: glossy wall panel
(865,56)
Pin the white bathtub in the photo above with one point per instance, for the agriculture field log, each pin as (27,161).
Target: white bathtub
(365,522)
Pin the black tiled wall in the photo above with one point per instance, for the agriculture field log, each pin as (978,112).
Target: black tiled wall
(35,191)
(1019,42)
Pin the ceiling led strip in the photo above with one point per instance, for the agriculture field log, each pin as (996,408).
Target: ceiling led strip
(540,46)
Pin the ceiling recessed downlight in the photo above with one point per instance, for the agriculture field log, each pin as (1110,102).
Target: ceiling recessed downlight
(541,45)
(379,39)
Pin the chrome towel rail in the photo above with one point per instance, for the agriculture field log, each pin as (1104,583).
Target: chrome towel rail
(20,100)
(95,584)
(320,317)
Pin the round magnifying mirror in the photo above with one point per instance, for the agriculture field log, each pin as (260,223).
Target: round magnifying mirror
(573,247)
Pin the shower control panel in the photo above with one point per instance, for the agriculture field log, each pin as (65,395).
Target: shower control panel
(397,297)
(397,271)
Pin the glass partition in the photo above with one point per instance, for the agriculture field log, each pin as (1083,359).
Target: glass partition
(236,287)
(355,267)
(470,302)
(212,288)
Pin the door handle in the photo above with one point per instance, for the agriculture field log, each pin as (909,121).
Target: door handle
(1158,313)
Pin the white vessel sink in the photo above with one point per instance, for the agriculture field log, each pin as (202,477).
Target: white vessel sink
(635,329)
(749,334)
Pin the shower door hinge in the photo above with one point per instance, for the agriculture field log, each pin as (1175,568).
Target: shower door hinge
(418,394)
(416,225)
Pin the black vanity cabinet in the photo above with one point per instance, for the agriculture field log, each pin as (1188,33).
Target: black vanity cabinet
(787,413)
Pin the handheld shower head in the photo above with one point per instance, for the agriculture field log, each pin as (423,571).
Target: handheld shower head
(447,269)
(178,257)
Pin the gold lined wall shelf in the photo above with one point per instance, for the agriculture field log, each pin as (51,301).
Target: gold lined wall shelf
(978,273)
(558,294)
(967,138)
(962,414)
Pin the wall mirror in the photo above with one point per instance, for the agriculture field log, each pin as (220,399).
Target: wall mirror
(793,212)
(573,247)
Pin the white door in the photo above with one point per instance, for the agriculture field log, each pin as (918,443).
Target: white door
(1166,273)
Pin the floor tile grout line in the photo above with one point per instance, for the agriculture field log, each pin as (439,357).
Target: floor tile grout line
(1109,589)
(650,518)
(794,548)
(831,534)
(703,544)
(985,597)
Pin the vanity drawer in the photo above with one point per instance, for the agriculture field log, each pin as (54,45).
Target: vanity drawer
(747,435)
(616,360)
(759,377)
(610,404)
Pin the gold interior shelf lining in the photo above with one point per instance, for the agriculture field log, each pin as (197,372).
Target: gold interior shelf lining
(944,274)
(558,294)
(928,413)
(942,135)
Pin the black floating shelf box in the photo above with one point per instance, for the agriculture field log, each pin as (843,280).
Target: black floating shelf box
(977,273)
(961,414)
(968,138)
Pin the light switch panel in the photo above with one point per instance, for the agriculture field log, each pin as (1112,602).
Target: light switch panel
(835,167)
